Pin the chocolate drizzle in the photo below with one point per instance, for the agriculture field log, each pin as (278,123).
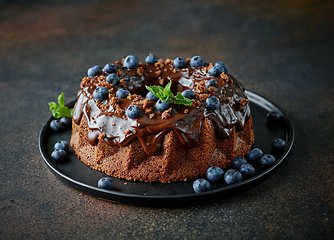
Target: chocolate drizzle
(108,118)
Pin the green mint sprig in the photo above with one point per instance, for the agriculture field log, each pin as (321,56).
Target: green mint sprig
(59,111)
(164,94)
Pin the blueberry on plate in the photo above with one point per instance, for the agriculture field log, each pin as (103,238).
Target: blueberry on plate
(113,79)
(273,117)
(94,71)
(101,93)
(214,72)
(110,68)
(196,62)
(150,96)
(221,67)
(201,185)
(122,93)
(247,170)
(56,125)
(254,155)
(232,176)
(179,62)
(162,106)
(131,62)
(278,144)
(62,144)
(105,183)
(214,174)
(58,155)
(238,161)
(212,103)
(66,121)
(211,83)
(267,160)
(133,112)
(151,59)
(188,94)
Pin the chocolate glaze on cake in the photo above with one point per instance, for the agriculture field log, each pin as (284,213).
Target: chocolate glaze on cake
(103,136)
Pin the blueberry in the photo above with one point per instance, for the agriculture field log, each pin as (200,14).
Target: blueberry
(232,176)
(221,67)
(201,185)
(150,96)
(105,183)
(94,71)
(133,112)
(56,125)
(122,93)
(267,160)
(110,68)
(113,79)
(101,93)
(179,62)
(211,83)
(58,155)
(188,94)
(278,144)
(151,59)
(273,117)
(247,170)
(162,106)
(214,72)
(66,121)
(214,174)
(238,161)
(62,144)
(254,155)
(196,62)
(212,103)
(131,62)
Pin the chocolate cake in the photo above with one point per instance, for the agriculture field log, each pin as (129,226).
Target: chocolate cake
(202,119)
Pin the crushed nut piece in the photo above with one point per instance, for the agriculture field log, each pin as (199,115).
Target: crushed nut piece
(166,114)
(140,71)
(127,131)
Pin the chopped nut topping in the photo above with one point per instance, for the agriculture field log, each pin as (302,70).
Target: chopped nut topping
(159,64)
(127,131)
(200,87)
(168,61)
(166,114)
(119,72)
(140,71)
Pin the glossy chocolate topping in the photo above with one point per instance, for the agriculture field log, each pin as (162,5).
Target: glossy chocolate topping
(108,119)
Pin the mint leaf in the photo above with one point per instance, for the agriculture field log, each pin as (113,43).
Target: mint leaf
(155,90)
(168,95)
(180,99)
(59,111)
(61,99)
(165,93)
(162,93)
(53,105)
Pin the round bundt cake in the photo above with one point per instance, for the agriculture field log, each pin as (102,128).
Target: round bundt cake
(162,120)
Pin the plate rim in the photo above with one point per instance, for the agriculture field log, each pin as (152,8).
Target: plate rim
(171,199)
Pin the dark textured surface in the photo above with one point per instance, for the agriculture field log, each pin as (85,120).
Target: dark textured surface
(282,50)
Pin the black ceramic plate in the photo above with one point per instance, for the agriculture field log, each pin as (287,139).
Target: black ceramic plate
(76,174)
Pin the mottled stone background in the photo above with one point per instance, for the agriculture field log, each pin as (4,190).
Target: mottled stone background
(282,50)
